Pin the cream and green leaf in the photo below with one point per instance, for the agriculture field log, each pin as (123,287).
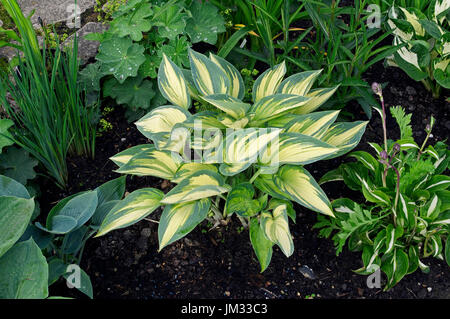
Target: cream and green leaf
(238,158)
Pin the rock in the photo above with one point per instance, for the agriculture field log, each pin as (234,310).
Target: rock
(86,49)
(51,11)
(410,90)
(146,232)
(307,272)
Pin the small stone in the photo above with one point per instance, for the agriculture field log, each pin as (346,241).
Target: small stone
(146,232)
(227,293)
(429,289)
(307,272)
(123,139)
(410,90)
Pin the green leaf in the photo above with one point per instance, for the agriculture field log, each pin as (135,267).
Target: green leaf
(17,164)
(5,136)
(180,219)
(395,267)
(120,57)
(403,121)
(23,272)
(90,77)
(135,92)
(10,187)
(261,245)
(240,201)
(15,214)
(171,21)
(447,251)
(71,214)
(85,283)
(133,208)
(205,23)
(134,23)
(176,50)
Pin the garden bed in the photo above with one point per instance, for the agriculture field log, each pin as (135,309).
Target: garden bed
(221,263)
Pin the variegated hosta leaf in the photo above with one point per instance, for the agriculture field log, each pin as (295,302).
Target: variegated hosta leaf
(265,183)
(282,120)
(193,92)
(276,229)
(244,146)
(207,139)
(261,245)
(172,84)
(344,136)
(272,106)
(230,122)
(180,219)
(314,124)
(188,169)
(233,169)
(228,104)
(207,76)
(204,120)
(300,186)
(157,124)
(237,88)
(131,209)
(123,157)
(268,82)
(414,21)
(296,148)
(178,140)
(299,83)
(152,162)
(316,98)
(201,184)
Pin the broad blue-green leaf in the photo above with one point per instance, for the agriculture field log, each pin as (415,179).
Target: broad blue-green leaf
(180,219)
(85,283)
(15,214)
(136,206)
(10,187)
(17,164)
(23,272)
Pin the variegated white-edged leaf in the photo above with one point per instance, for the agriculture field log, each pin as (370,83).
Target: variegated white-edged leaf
(201,184)
(344,135)
(123,157)
(266,184)
(172,84)
(152,162)
(187,169)
(295,148)
(207,76)
(233,169)
(282,120)
(315,124)
(207,139)
(276,229)
(438,182)
(316,98)
(158,123)
(230,122)
(243,146)
(299,83)
(414,21)
(131,209)
(296,183)
(204,120)
(180,219)
(237,88)
(374,195)
(178,140)
(228,104)
(432,208)
(366,159)
(268,82)
(193,92)
(272,106)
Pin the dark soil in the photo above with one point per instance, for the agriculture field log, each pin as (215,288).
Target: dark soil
(221,263)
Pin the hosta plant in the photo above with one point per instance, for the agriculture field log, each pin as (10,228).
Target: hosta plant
(406,216)
(241,158)
(426,56)
(140,32)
